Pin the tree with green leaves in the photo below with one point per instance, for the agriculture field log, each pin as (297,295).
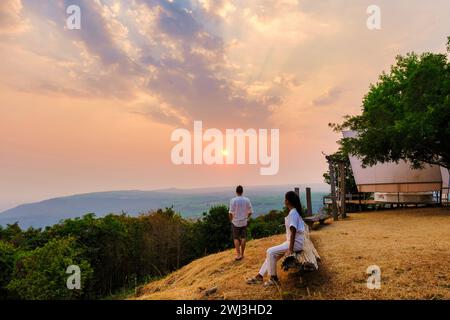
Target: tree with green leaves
(267,225)
(7,253)
(115,252)
(215,230)
(405,115)
(336,158)
(41,274)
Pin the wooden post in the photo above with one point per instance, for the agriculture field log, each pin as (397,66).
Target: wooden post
(334,208)
(309,212)
(360,201)
(342,188)
(297,191)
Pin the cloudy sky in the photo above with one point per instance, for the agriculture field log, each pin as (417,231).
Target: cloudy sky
(93,109)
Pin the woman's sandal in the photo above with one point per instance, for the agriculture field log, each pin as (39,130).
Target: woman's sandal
(271,283)
(254,280)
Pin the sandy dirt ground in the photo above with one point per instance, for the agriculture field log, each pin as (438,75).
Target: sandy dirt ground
(411,247)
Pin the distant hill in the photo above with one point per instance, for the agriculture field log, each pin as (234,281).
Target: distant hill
(189,202)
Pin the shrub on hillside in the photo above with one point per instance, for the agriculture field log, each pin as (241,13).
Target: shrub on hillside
(215,230)
(118,252)
(41,274)
(7,252)
(267,225)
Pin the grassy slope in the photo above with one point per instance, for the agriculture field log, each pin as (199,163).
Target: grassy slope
(412,247)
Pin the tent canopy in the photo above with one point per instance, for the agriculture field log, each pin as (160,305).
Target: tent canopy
(397,177)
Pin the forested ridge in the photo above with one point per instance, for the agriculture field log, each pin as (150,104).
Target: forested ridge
(115,253)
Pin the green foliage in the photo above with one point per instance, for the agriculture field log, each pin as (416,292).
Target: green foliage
(12,234)
(126,250)
(406,115)
(215,230)
(41,274)
(267,225)
(350,184)
(7,252)
(116,253)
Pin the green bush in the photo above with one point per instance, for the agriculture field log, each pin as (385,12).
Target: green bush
(116,253)
(41,274)
(7,253)
(124,251)
(267,225)
(215,230)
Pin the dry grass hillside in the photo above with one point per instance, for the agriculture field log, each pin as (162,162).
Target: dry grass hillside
(412,248)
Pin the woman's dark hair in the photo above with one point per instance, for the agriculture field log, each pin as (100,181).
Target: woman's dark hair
(294,200)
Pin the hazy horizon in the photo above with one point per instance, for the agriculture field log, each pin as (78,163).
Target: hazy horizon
(318,187)
(188,202)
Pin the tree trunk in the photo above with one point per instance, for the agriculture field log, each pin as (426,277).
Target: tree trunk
(342,190)
(333,191)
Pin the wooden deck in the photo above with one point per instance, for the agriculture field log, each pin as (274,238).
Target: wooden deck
(362,202)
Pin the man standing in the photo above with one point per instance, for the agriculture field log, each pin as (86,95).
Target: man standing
(240,210)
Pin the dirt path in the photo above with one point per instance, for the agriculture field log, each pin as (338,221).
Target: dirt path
(412,248)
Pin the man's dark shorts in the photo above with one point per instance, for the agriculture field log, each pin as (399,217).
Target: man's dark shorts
(239,232)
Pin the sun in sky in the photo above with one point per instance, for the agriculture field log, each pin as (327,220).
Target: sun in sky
(135,71)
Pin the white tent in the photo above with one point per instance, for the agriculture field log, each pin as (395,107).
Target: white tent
(394,178)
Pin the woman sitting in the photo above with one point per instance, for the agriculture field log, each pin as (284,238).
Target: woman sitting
(295,234)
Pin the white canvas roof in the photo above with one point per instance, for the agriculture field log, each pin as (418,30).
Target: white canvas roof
(445,177)
(393,177)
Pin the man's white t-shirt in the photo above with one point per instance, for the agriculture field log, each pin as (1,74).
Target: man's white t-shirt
(295,220)
(240,207)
